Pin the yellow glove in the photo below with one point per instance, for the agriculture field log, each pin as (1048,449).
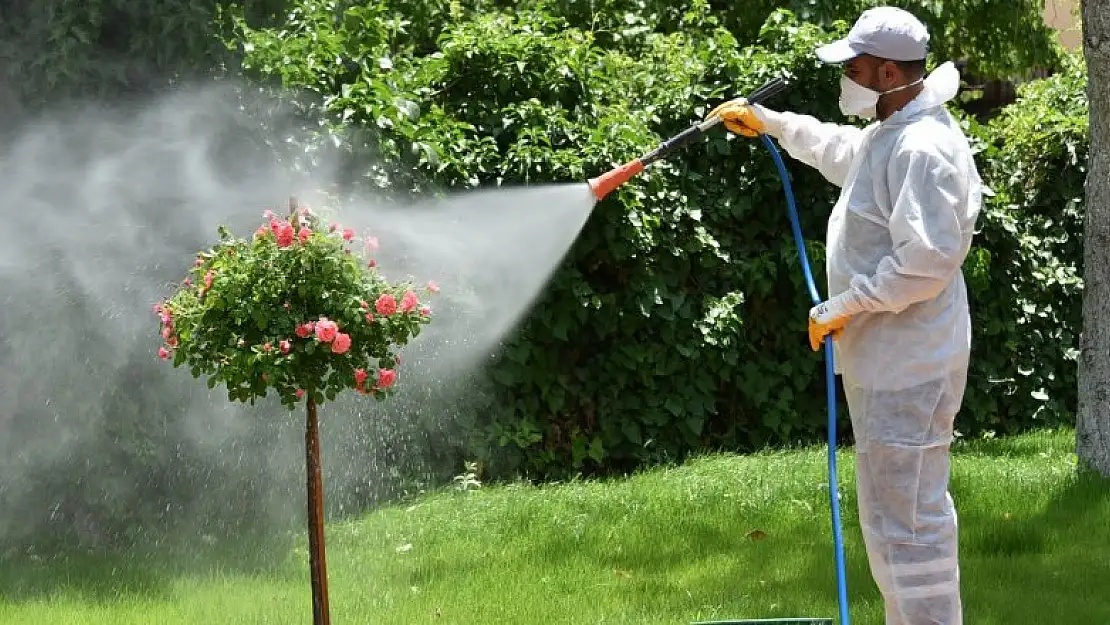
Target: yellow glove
(824,319)
(740,117)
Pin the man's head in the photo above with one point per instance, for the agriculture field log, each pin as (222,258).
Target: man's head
(884,50)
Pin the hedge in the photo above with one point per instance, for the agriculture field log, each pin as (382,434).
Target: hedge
(675,324)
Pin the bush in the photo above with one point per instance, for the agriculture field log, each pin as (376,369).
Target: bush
(677,321)
(1024,273)
(291,309)
(982,31)
(57,50)
(662,333)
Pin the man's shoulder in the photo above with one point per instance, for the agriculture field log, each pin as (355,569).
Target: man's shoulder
(932,137)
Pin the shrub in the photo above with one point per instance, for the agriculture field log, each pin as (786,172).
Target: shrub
(677,320)
(56,50)
(1024,273)
(663,331)
(292,310)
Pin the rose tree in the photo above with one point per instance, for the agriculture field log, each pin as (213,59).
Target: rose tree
(296,310)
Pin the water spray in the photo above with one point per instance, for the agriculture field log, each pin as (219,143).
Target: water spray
(604,184)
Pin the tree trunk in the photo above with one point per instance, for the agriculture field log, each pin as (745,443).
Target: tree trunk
(1093,420)
(318,568)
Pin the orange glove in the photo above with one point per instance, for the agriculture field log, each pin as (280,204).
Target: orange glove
(740,117)
(824,319)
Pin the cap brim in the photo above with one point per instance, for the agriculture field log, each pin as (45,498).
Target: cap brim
(837,52)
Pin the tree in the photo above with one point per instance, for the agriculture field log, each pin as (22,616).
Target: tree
(294,310)
(1093,422)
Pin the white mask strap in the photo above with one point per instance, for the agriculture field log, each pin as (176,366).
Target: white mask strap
(906,86)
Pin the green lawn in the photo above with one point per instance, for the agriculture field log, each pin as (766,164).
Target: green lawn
(721,537)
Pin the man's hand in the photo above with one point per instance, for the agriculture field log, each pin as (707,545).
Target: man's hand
(740,117)
(824,319)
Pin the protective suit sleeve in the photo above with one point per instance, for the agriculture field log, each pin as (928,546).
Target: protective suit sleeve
(925,229)
(827,147)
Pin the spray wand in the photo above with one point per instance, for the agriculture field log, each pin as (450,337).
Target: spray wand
(605,184)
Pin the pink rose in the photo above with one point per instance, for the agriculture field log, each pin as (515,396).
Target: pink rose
(386,304)
(208,279)
(433,287)
(285,347)
(386,378)
(163,353)
(369,317)
(426,310)
(326,330)
(373,263)
(268,214)
(166,332)
(348,234)
(300,392)
(304,234)
(341,344)
(360,377)
(199,262)
(305,329)
(409,301)
(261,232)
(284,232)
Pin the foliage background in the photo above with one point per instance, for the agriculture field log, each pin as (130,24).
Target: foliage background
(676,323)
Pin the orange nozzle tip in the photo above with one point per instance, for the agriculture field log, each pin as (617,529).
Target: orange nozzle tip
(605,184)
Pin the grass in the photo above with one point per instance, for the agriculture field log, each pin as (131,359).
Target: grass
(720,537)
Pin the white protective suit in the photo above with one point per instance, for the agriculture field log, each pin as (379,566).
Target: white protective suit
(896,241)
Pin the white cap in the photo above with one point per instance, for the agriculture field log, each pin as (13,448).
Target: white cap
(884,32)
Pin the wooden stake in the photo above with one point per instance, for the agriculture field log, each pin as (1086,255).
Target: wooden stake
(318,568)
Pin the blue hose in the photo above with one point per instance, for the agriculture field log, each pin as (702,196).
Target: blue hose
(830,384)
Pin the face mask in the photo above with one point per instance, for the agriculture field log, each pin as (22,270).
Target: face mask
(855,99)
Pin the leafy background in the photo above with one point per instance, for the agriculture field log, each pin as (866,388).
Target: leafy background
(676,323)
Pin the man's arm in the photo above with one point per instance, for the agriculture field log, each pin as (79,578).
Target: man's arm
(829,148)
(926,194)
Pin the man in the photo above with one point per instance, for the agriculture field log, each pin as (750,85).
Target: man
(897,306)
